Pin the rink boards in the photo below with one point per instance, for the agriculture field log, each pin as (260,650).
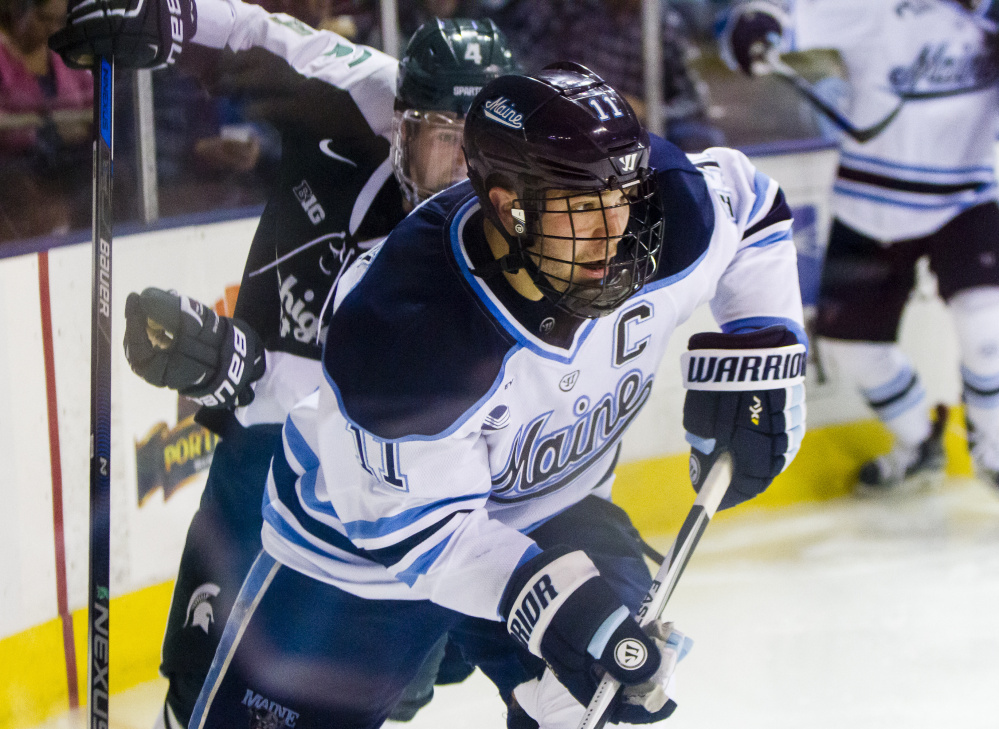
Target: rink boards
(160,457)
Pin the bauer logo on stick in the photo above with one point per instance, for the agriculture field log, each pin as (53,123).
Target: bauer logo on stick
(743,369)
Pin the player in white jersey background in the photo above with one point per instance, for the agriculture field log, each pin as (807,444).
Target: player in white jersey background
(926,185)
(454,468)
(349,116)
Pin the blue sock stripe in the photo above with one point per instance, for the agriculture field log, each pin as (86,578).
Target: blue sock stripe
(978,400)
(982,384)
(915,397)
(892,389)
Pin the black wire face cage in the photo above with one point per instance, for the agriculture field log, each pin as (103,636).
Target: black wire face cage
(426,152)
(589,250)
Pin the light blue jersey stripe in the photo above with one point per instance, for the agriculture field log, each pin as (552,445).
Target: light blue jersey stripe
(299,446)
(388,524)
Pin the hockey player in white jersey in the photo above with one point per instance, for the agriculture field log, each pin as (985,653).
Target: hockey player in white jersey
(455,466)
(349,116)
(925,186)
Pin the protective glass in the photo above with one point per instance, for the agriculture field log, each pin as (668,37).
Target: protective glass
(588,251)
(426,152)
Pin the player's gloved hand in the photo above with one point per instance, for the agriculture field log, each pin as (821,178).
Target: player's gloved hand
(654,694)
(176,342)
(135,33)
(751,31)
(746,395)
(559,608)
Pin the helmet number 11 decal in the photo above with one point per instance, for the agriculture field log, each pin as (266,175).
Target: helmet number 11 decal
(602,115)
(473,52)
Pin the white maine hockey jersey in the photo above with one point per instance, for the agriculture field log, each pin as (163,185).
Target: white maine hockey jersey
(937,158)
(456,415)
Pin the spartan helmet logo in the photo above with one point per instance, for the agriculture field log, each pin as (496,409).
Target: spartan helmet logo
(199,607)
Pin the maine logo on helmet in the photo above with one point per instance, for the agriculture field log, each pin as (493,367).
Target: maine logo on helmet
(551,137)
(501,111)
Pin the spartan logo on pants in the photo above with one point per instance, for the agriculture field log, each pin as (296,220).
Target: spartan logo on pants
(199,607)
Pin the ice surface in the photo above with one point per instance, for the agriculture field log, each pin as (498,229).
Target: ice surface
(858,614)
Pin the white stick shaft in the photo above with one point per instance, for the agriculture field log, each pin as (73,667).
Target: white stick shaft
(705,506)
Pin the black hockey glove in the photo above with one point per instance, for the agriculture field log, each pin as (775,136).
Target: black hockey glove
(750,31)
(135,33)
(173,341)
(746,395)
(559,608)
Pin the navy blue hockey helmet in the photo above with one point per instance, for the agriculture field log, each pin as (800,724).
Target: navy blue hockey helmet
(549,138)
(444,66)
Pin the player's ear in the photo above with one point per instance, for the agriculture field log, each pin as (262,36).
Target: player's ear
(502,202)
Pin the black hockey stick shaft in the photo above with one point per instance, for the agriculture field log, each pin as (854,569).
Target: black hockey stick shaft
(98,637)
(663,584)
(861,134)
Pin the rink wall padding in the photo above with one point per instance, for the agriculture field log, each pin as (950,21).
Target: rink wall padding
(159,458)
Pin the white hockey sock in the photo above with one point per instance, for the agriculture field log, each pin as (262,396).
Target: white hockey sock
(976,317)
(889,383)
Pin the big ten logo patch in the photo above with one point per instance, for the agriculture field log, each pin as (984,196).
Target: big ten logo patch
(168,457)
(309,202)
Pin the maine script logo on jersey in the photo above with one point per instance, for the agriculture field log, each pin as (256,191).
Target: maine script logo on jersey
(543,462)
(939,71)
(501,111)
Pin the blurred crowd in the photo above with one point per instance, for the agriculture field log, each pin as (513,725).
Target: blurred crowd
(213,152)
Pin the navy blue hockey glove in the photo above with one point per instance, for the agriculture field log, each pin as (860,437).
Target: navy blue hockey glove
(746,395)
(135,33)
(176,342)
(559,608)
(751,31)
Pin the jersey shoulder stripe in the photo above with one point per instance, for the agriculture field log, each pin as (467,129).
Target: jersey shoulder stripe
(688,212)
(389,337)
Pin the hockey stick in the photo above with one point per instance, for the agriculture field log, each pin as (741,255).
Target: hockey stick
(705,506)
(772,63)
(100,398)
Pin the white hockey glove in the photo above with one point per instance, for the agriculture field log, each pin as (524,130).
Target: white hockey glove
(745,395)
(752,30)
(135,33)
(174,341)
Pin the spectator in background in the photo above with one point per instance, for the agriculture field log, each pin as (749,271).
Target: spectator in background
(606,36)
(45,120)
